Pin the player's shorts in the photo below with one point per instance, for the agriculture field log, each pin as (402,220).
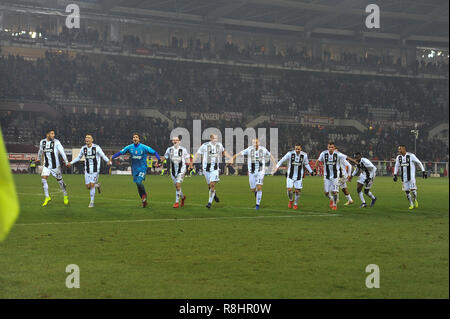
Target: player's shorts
(411,185)
(56,172)
(212,176)
(178,178)
(331,185)
(293,183)
(362,179)
(255,179)
(90,178)
(139,176)
(342,182)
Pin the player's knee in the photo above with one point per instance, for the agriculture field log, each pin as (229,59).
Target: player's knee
(297,191)
(366,191)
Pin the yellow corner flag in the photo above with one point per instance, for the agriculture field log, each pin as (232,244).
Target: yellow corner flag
(9,205)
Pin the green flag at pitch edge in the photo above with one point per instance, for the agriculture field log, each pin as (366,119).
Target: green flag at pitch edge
(9,205)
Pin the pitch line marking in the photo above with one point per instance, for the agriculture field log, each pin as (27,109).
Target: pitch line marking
(200,205)
(170,219)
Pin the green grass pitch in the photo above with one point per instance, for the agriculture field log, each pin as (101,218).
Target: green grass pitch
(230,251)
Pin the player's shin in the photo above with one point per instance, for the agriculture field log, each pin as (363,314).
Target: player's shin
(361,197)
(92,193)
(258,196)
(290,195)
(63,186)
(408,196)
(141,189)
(212,193)
(45,187)
(177,196)
(297,197)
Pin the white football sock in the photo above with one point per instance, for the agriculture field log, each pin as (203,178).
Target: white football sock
(63,186)
(211,196)
(92,193)
(371,195)
(177,196)
(349,197)
(258,197)
(45,186)
(361,196)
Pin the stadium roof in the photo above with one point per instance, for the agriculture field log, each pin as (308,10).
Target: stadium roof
(411,20)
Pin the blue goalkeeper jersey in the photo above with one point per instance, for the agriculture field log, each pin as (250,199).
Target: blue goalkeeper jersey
(139,154)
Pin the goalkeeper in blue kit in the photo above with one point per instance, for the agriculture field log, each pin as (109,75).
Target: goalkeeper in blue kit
(138,154)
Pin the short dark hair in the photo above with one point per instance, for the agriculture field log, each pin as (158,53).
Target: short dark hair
(402,145)
(357,154)
(298,144)
(138,135)
(331,143)
(49,130)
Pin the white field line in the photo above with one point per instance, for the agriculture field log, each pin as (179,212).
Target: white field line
(170,219)
(299,214)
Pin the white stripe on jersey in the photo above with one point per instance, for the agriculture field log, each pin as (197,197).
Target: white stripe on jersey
(331,163)
(51,151)
(256,159)
(178,157)
(296,164)
(211,154)
(93,156)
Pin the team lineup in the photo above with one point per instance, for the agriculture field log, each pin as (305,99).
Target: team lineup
(337,169)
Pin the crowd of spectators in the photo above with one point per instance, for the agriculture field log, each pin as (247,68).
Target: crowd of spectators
(194,87)
(195,48)
(377,143)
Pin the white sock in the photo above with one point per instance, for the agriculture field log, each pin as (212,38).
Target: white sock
(371,195)
(92,193)
(63,186)
(211,196)
(297,196)
(330,196)
(97,185)
(349,197)
(45,186)
(408,196)
(414,193)
(258,197)
(177,196)
(361,196)
(290,195)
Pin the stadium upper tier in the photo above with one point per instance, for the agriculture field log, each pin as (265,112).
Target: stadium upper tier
(114,81)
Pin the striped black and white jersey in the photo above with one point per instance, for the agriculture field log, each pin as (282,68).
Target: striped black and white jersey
(332,163)
(92,158)
(211,155)
(178,157)
(407,166)
(256,158)
(51,151)
(297,162)
(365,168)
